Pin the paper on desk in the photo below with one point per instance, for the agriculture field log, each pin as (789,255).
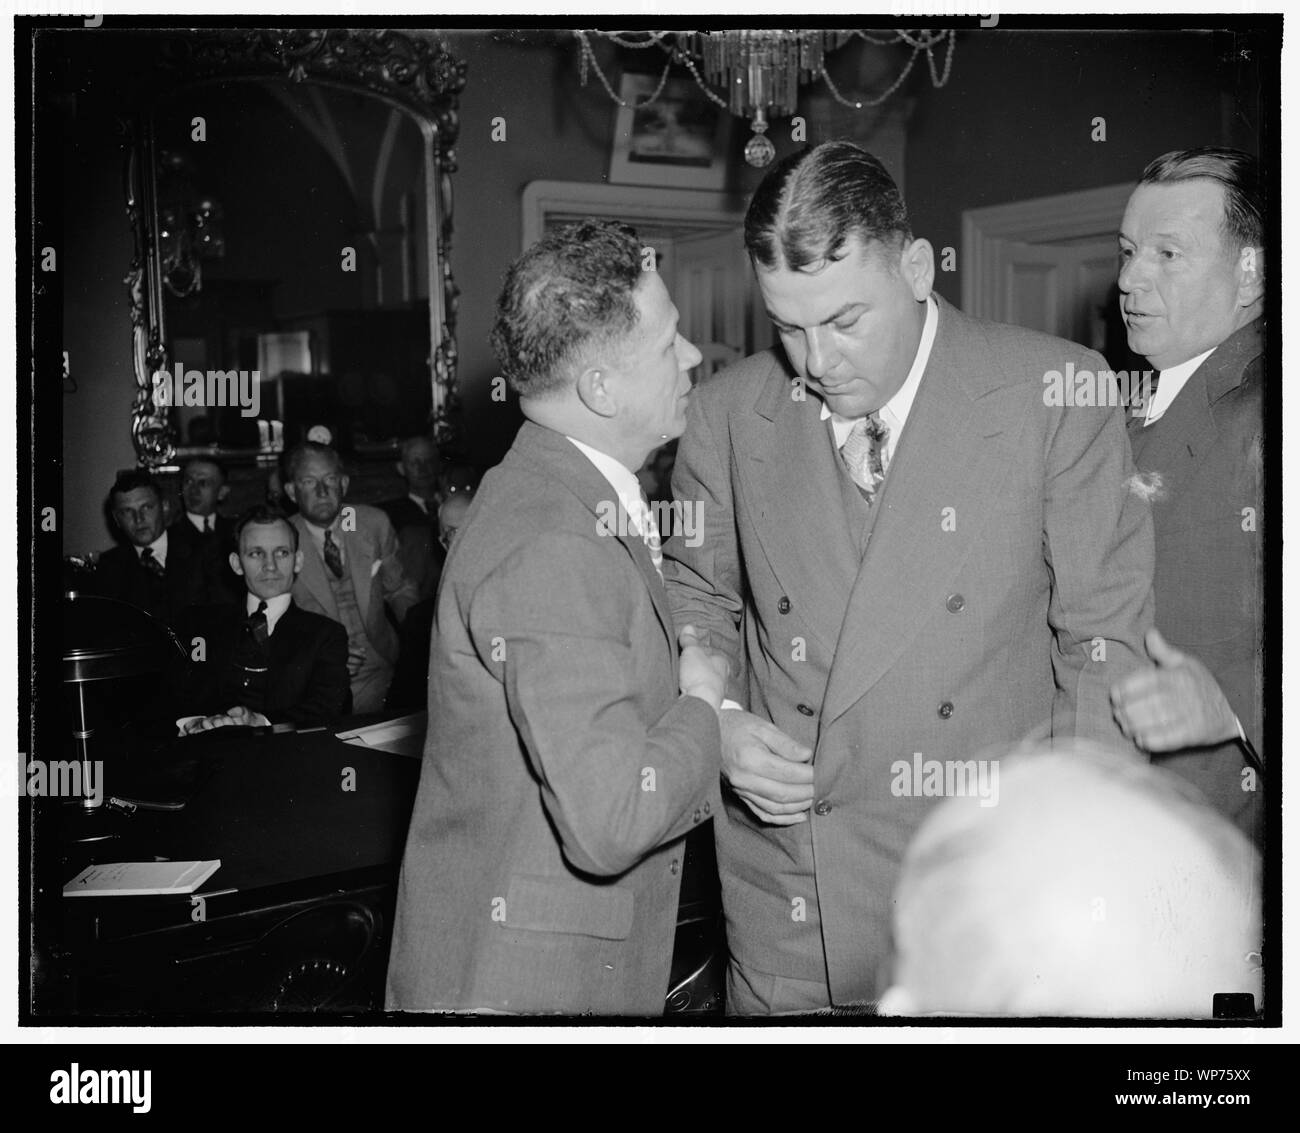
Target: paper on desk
(402,736)
(140,879)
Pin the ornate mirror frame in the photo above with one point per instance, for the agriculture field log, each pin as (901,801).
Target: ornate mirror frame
(409,72)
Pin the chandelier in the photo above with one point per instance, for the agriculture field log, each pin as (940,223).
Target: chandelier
(760,72)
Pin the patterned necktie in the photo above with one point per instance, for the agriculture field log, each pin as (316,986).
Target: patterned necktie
(650,533)
(151,562)
(863,454)
(253,657)
(333,559)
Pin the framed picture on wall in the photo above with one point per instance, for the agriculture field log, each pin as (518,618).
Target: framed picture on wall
(681,139)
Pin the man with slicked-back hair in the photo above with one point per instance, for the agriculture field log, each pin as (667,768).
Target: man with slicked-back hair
(909,552)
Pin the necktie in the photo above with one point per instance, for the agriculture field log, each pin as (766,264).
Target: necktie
(863,454)
(210,523)
(333,558)
(151,563)
(650,533)
(257,626)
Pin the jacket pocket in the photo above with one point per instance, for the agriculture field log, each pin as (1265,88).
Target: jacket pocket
(544,904)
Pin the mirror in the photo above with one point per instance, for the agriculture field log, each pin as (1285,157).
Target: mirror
(290,193)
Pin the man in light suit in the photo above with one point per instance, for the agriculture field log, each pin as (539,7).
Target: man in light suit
(569,750)
(1192,292)
(925,558)
(350,569)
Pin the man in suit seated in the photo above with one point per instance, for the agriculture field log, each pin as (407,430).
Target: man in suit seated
(1096,885)
(419,466)
(203,539)
(569,751)
(147,571)
(351,570)
(280,664)
(1192,292)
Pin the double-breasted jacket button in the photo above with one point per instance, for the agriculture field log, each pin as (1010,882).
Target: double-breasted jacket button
(822,807)
(956,603)
(945,709)
(697,815)
(783,605)
(706,808)
(675,866)
(804,709)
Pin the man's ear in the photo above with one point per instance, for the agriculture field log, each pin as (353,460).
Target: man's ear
(236,565)
(917,267)
(344,481)
(595,392)
(1250,276)
(291,490)
(297,562)
(401,469)
(222,493)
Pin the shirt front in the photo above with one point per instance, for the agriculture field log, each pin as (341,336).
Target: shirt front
(419,502)
(202,523)
(158,547)
(318,538)
(1170,385)
(894,412)
(275,608)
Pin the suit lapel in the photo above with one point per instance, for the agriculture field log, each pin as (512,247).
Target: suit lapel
(955,452)
(312,576)
(788,472)
(361,559)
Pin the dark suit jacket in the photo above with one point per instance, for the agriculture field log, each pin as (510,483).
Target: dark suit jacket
(405,512)
(119,574)
(1004,587)
(307,680)
(1206,451)
(207,557)
(562,767)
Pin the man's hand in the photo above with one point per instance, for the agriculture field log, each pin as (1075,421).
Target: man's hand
(703,671)
(766,768)
(246,717)
(356,658)
(1173,704)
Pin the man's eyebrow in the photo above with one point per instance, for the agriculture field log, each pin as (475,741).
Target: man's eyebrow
(826,321)
(1176,237)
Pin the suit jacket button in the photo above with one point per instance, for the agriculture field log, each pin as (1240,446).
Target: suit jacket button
(956,603)
(945,709)
(783,606)
(822,807)
(706,808)
(675,866)
(697,815)
(804,709)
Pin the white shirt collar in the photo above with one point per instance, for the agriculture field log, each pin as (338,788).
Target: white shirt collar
(318,534)
(275,608)
(158,546)
(622,479)
(201,521)
(1170,385)
(894,412)
(419,502)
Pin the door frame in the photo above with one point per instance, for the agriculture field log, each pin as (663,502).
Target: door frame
(1040,220)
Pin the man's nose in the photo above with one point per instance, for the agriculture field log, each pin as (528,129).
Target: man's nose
(688,355)
(1132,275)
(818,360)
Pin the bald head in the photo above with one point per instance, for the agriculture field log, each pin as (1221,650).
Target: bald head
(1098,886)
(451,515)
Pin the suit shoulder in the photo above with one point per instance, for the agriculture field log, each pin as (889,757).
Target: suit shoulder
(743,381)
(1033,352)
(315,625)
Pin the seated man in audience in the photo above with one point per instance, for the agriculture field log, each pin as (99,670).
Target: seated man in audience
(350,569)
(201,538)
(280,664)
(145,571)
(1095,885)
(419,467)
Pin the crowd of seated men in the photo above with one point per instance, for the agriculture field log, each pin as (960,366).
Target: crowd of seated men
(294,615)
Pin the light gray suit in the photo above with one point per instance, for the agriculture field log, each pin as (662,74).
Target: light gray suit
(371,560)
(1005,586)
